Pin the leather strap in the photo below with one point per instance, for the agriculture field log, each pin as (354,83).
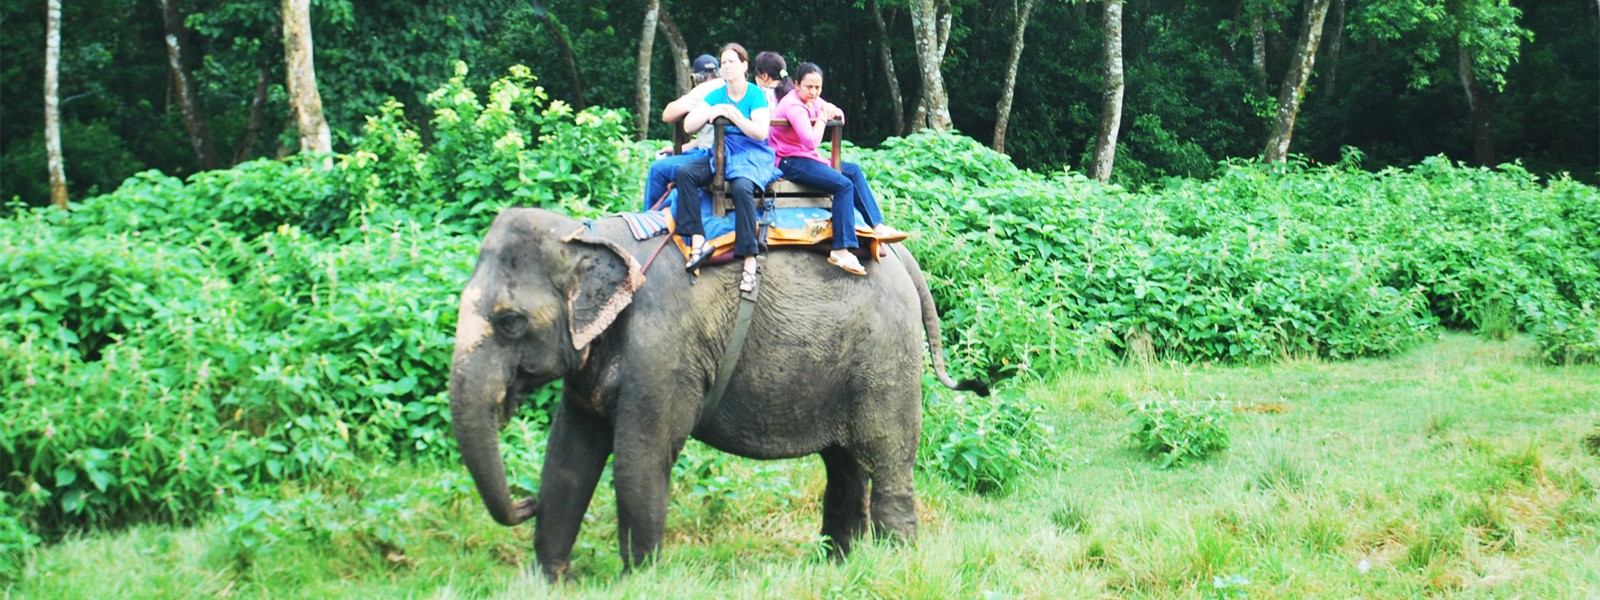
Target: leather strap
(730,356)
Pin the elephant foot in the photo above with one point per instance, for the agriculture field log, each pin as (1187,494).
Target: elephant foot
(556,572)
(895,519)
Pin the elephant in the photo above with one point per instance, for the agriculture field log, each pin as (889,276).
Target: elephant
(832,365)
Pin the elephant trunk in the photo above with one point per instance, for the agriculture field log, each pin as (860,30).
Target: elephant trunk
(477,393)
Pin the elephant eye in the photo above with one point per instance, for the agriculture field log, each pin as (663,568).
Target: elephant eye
(510,324)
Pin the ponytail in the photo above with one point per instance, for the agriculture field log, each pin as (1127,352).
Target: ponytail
(785,86)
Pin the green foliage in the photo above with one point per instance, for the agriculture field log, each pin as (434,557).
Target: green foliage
(16,541)
(513,147)
(176,342)
(1176,431)
(985,445)
(1035,275)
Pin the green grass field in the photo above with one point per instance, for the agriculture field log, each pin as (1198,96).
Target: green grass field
(1463,468)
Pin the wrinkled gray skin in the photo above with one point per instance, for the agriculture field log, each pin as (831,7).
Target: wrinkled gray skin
(832,366)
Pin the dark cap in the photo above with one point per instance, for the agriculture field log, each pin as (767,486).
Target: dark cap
(705,63)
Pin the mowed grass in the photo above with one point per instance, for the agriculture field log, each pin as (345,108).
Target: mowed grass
(1460,469)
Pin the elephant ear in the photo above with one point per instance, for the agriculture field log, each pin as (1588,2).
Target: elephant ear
(606,281)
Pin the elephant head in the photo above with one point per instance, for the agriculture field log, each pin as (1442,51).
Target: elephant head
(542,291)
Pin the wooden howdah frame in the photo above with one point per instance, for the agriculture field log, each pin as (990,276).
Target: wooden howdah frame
(786,194)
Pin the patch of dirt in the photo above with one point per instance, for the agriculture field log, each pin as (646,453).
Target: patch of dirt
(1266,408)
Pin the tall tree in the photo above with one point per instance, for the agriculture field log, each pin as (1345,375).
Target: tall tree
(680,52)
(304,99)
(1002,109)
(1294,80)
(641,77)
(886,55)
(1488,37)
(52,104)
(1335,46)
(1105,146)
(252,128)
(194,118)
(559,34)
(930,26)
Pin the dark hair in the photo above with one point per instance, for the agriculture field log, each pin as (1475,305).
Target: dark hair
(773,66)
(800,72)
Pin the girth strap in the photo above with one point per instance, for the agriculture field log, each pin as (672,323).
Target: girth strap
(730,357)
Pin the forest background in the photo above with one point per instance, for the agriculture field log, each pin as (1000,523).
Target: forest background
(247,355)
(1482,81)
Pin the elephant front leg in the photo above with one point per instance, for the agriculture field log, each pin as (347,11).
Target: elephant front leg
(642,474)
(576,454)
(844,504)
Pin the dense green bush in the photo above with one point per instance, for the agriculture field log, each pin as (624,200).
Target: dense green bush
(1177,431)
(512,148)
(175,342)
(985,445)
(1039,273)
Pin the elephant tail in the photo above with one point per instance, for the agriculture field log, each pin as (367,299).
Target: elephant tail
(930,324)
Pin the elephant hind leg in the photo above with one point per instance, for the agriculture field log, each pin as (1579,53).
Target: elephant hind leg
(844,504)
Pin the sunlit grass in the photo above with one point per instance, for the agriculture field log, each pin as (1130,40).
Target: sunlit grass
(1458,469)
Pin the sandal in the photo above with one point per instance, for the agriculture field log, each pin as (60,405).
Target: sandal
(848,263)
(698,254)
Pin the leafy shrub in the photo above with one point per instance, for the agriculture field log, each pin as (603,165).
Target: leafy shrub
(513,147)
(985,445)
(1178,432)
(16,541)
(1035,274)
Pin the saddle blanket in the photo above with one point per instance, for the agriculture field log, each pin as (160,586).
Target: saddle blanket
(807,227)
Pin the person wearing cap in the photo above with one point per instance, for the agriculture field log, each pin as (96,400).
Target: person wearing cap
(796,146)
(704,70)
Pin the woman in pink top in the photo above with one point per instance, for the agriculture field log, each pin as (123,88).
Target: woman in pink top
(796,146)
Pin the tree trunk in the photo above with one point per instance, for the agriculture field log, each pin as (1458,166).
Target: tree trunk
(252,130)
(1258,50)
(560,34)
(303,96)
(1002,110)
(1481,101)
(1294,81)
(1105,146)
(52,104)
(680,52)
(641,77)
(1335,45)
(930,24)
(194,119)
(896,103)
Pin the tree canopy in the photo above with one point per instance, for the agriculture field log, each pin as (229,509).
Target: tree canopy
(1395,80)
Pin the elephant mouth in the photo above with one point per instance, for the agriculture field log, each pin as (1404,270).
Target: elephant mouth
(522,384)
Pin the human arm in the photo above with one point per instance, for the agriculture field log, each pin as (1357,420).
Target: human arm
(808,133)
(696,97)
(757,126)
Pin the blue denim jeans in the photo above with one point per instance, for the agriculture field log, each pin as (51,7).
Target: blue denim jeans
(850,193)
(663,170)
